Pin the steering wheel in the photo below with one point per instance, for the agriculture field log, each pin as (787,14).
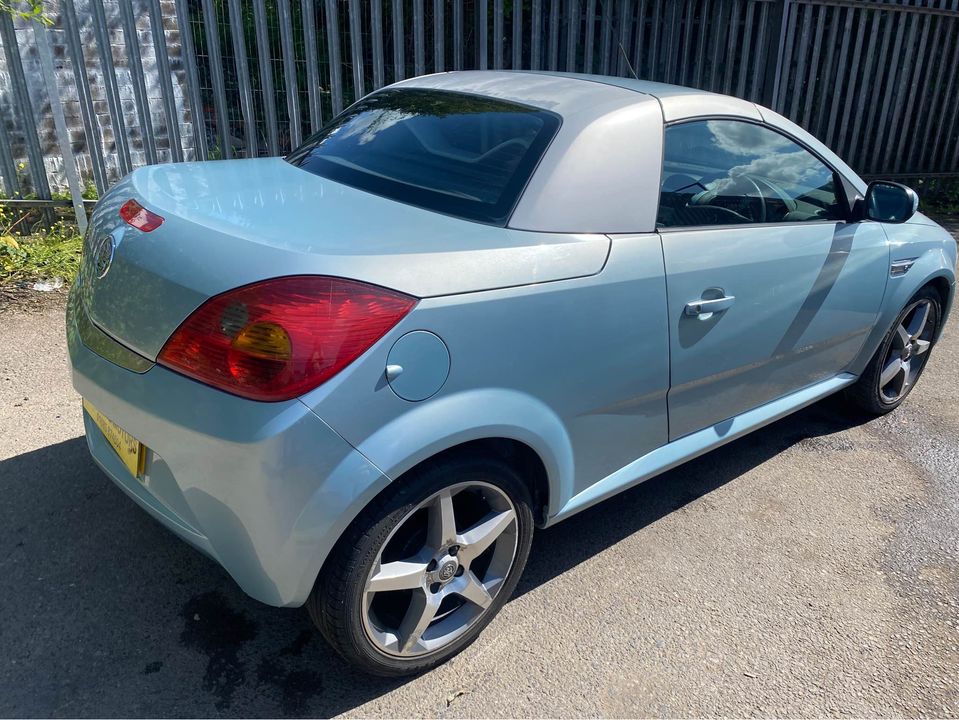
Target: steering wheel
(707,196)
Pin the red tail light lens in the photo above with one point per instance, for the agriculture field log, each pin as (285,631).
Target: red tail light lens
(277,339)
(133,213)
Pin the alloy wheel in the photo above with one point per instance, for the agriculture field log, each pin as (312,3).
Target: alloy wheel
(440,569)
(907,353)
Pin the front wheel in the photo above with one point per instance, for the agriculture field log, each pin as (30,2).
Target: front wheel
(424,569)
(895,368)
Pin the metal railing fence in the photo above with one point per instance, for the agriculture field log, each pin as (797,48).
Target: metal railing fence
(114,84)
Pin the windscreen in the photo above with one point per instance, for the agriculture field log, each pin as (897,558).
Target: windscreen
(463,155)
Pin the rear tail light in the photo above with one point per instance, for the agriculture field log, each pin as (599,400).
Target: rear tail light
(277,339)
(133,213)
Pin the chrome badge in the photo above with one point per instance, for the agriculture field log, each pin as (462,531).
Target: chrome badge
(102,255)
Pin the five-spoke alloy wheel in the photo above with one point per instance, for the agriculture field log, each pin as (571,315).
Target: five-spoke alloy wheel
(905,355)
(897,364)
(420,602)
(427,566)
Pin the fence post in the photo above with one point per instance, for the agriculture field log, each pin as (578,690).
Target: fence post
(60,122)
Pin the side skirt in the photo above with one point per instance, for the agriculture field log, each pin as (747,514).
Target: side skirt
(686,448)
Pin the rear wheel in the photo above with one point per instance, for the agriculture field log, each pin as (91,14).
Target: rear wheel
(425,569)
(895,368)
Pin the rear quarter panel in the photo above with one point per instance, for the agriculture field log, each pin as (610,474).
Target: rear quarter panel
(576,369)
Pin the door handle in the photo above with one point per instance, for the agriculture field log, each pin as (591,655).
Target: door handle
(705,307)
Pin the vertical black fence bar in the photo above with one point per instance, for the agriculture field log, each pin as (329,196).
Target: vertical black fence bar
(312,65)
(399,43)
(166,80)
(11,183)
(91,128)
(11,180)
(135,65)
(419,38)
(784,53)
(482,34)
(517,48)
(220,108)
(717,39)
(650,69)
(265,63)
(536,41)
(701,45)
(23,107)
(606,41)
(498,34)
(624,23)
(689,23)
(589,65)
(673,28)
(746,49)
(552,42)
(379,58)
(336,59)
(761,58)
(793,106)
(572,34)
(457,34)
(639,67)
(439,36)
(732,45)
(243,77)
(110,87)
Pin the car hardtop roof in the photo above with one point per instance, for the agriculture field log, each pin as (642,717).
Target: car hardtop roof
(569,93)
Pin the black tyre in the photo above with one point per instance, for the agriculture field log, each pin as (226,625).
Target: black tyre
(895,368)
(425,568)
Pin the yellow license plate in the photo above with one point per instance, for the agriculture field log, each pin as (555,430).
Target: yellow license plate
(131,451)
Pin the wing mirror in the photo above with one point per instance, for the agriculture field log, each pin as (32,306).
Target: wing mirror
(890,202)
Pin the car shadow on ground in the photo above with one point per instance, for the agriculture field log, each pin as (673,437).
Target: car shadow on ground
(104,613)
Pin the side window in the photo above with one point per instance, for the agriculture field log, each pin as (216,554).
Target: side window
(728,172)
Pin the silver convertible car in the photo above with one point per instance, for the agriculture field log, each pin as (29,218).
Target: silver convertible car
(473,304)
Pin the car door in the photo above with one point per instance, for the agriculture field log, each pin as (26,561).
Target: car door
(769,288)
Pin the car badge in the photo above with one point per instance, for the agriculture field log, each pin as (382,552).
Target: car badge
(102,254)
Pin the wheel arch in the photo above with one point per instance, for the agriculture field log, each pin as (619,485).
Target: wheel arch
(518,455)
(512,424)
(946,290)
(929,270)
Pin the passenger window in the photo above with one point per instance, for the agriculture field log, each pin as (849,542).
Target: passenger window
(728,172)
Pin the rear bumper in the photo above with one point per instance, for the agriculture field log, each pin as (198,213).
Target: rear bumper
(265,489)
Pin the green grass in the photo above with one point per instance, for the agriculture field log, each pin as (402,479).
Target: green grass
(53,254)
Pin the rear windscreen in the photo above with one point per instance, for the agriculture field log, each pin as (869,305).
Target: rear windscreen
(458,154)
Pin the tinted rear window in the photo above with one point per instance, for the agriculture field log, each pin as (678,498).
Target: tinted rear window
(458,154)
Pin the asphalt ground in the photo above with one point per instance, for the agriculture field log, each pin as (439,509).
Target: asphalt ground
(809,569)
